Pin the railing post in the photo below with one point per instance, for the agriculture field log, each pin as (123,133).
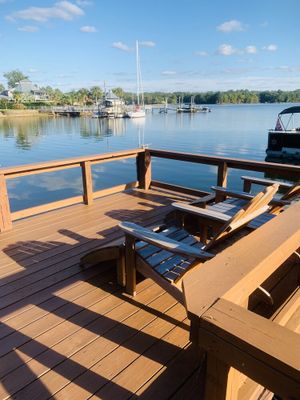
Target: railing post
(87,182)
(144,169)
(222,179)
(222,174)
(5,216)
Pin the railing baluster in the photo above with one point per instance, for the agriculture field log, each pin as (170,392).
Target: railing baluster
(5,216)
(144,169)
(87,182)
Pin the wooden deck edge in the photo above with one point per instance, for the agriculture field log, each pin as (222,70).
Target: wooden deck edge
(115,189)
(29,212)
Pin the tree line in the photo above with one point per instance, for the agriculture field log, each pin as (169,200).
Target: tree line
(89,96)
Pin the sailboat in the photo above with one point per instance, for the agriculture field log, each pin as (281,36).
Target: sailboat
(139,110)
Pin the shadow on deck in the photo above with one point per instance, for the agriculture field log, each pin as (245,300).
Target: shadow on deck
(71,333)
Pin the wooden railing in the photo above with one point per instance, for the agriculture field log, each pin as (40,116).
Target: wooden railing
(223,164)
(85,163)
(144,176)
(242,335)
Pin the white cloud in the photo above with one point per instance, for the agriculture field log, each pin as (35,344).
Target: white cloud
(83,3)
(201,53)
(33,70)
(28,28)
(230,26)
(251,49)
(88,29)
(147,43)
(61,10)
(168,72)
(270,47)
(226,50)
(121,46)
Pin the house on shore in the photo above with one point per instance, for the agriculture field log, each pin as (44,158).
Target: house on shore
(27,90)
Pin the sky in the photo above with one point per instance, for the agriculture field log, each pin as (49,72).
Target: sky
(185,45)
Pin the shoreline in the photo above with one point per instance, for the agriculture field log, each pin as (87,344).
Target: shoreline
(18,113)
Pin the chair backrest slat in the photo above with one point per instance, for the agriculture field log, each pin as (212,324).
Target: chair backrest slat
(255,207)
(292,192)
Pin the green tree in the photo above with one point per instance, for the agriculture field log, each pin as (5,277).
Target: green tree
(96,93)
(1,87)
(13,77)
(119,92)
(82,96)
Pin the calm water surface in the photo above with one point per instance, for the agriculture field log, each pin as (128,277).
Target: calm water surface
(229,130)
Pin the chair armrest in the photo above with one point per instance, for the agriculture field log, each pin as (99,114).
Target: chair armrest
(203,201)
(264,182)
(246,196)
(163,242)
(232,193)
(202,212)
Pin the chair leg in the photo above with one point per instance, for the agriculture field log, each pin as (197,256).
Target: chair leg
(121,273)
(130,267)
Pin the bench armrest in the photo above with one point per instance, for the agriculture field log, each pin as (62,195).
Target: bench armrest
(261,349)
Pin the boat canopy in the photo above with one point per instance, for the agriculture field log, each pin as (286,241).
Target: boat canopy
(291,110)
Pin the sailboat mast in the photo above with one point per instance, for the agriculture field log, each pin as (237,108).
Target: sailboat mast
(137,73)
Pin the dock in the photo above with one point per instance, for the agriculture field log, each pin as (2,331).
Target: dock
(68,111)
(70,332)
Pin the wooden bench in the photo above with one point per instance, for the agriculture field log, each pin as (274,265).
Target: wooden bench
(251,347)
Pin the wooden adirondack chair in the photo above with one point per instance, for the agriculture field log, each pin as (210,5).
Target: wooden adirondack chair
(230,201)
(166,256)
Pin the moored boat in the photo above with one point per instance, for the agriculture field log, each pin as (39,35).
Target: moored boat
(284,139)
(111,107)
(139,110)
(191,107)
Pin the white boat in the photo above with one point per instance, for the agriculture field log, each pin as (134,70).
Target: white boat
(136,113)
(139,109)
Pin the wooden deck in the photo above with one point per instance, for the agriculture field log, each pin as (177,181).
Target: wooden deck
(69,333)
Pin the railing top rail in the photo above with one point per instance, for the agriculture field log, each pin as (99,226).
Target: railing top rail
(232,162)
(179,156)
(69,162)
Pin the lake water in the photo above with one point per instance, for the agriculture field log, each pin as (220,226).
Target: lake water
(229,130)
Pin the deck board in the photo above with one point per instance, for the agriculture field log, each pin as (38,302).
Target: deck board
(70,333)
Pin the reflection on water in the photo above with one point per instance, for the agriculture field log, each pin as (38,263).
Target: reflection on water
(290,161)
(100,128)
(26,131)
(230,131)
(283,177)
